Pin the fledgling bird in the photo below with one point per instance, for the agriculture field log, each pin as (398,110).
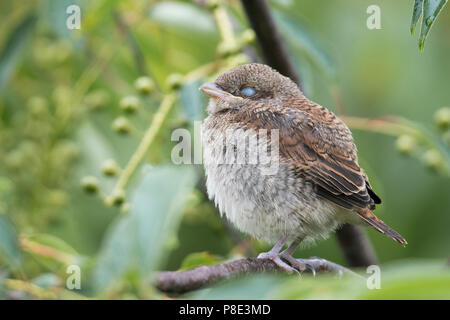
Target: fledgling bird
(317,184)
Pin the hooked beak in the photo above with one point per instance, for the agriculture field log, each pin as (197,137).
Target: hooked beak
(212,90)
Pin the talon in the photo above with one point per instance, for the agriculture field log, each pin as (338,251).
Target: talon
(277,260)
(311,268)
(299,266)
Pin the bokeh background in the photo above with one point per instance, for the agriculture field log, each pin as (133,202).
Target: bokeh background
(76,104)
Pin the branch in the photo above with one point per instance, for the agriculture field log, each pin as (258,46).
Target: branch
(356,246)
(275,54)
(202,276)
(147,140)
(272,46)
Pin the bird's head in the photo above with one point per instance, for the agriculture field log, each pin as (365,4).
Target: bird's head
(251,82)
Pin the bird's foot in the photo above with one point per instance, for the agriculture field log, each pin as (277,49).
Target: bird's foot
(276,258)
(295,263)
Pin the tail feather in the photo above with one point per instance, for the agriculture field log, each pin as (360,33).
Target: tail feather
(367,216)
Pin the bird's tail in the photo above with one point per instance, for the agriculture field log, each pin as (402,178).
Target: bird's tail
(367,216)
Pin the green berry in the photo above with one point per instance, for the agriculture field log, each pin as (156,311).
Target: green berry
(248,36)
(432,159)
(129,104)
(125,207)
(212,4)
(110,168)
(90,184)
(37,105)
(66,149)
(62,51)
(117,198)
(226,49)
(406,144)
(121,125)
(15,160)
(237,60)
(144,85)
(62,95)
(442,118)
(174,81)
(97,99)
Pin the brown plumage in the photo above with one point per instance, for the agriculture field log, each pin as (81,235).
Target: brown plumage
(314,144)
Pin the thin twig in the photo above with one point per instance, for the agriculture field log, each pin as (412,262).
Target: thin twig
(224,25)
(146,141)
(185,281)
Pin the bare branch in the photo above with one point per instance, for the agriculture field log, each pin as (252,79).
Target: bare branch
(189,280)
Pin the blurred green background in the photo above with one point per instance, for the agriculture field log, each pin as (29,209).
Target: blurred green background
(72,111)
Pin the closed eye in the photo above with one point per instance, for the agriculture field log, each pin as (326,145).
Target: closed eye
(248,91)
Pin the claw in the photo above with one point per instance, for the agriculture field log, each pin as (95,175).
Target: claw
(298,265)
(278,261)
(311,268)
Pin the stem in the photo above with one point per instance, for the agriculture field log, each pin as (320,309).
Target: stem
(45,251)
(149,136)
(224,24)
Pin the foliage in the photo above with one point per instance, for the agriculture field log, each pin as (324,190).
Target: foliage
(86,118)
(428,10)
(412,280)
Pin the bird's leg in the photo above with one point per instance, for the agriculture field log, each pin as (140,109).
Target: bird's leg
(274,255)
(287,256)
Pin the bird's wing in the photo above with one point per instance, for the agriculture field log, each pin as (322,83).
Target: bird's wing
(321,148)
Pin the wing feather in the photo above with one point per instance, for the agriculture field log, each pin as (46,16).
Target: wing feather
(321,148)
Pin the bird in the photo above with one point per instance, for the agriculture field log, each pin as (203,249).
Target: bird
(308,181)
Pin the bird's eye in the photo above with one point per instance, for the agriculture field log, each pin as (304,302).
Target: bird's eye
(248,91)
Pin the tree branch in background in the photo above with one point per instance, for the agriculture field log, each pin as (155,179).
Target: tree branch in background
(138,56)
(354,243)
(356,247)
(202,276)
(272,46)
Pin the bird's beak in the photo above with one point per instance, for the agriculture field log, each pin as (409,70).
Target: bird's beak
(212,90)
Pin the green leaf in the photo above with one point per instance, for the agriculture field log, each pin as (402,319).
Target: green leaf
(192,101)
(118,254)
(137,242)
(198,259)
(417,12)
(412,280)
(253,287)
(14,46)
(429,10)
(404,280)
(302,42)
(9,244)
(47,280)
(183,17)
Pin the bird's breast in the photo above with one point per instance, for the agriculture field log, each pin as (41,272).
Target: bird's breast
(255,189)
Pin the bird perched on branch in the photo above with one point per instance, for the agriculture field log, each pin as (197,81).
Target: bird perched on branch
(279,166)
